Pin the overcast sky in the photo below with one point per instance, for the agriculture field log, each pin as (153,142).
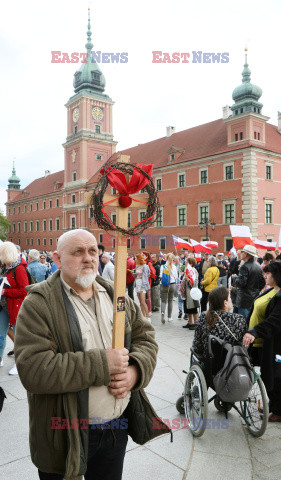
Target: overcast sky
(148,96)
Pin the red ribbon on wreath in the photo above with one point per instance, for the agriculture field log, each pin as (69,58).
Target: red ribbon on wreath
(138,181)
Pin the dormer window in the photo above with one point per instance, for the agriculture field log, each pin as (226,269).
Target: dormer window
(96,77)
(172,157)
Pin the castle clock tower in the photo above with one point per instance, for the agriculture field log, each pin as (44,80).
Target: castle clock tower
(89,143)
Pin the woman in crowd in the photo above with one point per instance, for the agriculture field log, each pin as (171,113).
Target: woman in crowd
(13,293)
(209,282)
(167,292)
(148,261)
(190,308)
(218,321)
(265,324)
(142,283)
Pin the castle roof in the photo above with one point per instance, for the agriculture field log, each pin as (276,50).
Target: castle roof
(194,143)
(41,186)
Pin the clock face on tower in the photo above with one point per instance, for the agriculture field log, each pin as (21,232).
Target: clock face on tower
(75,114)
(97,114)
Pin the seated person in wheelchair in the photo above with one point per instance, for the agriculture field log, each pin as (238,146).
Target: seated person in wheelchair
(219,321)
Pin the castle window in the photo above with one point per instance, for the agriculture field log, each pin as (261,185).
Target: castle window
(129,219)
(159,221)
(162,243)
(97,128)
(142,243)
(203,176)
(44,242)
(98,156)
(268,172)
(18,209)
(229,172)
(113,218)
(57,223)
(38,241)
(74,176)
(37,206)
(25,207)
(241,135)
(158,184)
(255,109)
(37,225)
(25,226)
(31,207)
(75,129)
(181,180)
(268,213)
(31,242)
(73,199)
(255,135)
(44,225)
(51,242)
(44,204)
(50,203)
(181,216)
(236,112)
(229,213)
(259,136)
(128,243)
(57,202)
(241,110)
(14,210)
(236,137)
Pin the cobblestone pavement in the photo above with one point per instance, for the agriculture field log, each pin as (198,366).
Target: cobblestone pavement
(219,454)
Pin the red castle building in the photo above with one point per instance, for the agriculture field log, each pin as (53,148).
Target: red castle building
(224,172)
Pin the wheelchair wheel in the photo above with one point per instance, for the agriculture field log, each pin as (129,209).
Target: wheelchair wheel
(255,409)
(180,405)
(196,401)
(222,406)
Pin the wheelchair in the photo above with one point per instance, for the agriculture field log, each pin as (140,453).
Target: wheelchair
(194,401)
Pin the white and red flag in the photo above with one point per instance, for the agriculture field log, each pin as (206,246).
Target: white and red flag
(241,236)
(198,247)
(198,257)
(265,245)
(210,244)
(191,274)
(180,243)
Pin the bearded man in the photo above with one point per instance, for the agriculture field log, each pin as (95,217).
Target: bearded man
(82,394)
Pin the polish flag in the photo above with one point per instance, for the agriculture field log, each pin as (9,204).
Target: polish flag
(190,273)
(241,236)
(210,244)
(180,243)
(198,257)
(265,245)
(198,247)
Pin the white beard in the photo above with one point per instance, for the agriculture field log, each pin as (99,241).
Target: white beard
(85,280)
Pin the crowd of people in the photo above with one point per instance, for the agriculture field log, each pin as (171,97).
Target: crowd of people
(69,311)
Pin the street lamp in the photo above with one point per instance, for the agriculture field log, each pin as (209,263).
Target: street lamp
(207,223)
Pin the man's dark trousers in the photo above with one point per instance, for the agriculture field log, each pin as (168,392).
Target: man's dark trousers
(105,455)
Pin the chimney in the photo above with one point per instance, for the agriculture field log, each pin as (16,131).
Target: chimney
(170,131)
(47,172)
(226,112)
(279,122)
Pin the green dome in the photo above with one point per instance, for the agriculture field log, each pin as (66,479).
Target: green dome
(14,181)
(89,77)
(247,95)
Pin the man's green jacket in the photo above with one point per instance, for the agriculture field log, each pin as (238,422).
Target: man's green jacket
(57,373)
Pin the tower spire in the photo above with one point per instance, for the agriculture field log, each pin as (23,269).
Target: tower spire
(246,74)
(89,44)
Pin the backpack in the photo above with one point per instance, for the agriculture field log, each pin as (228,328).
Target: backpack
(235,379)
(31,278)
(166,277)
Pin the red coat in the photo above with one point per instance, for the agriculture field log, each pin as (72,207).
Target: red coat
(131,264)
(16,293)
